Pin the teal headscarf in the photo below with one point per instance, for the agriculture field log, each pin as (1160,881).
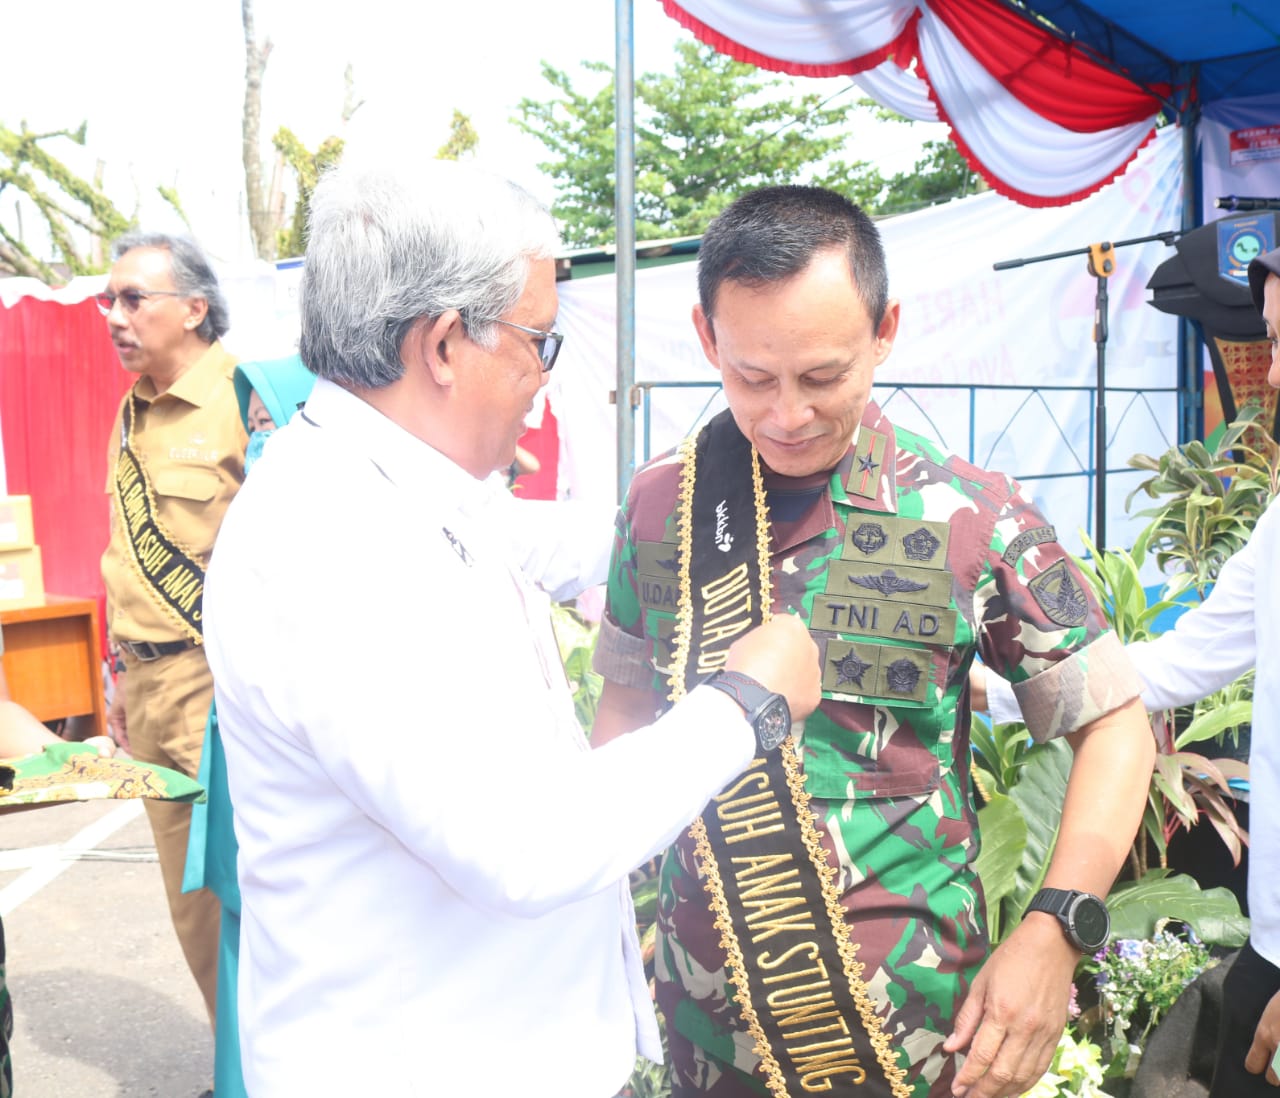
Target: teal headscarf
(282,384)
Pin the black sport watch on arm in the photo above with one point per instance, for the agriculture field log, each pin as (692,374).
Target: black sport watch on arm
(769,713)
(1083,916)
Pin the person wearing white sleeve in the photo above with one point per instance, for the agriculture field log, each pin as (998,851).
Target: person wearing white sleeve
(432,861)
(561,545)
(1237,627)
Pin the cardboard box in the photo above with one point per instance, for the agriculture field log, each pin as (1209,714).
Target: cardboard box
(16,531)
(21,578)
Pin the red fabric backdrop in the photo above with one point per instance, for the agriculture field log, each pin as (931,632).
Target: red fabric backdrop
(544,444)
(60,383)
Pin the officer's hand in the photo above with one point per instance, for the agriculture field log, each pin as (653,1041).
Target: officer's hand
(1265,1039)
(117,726)
(781,656)
(1013,1016)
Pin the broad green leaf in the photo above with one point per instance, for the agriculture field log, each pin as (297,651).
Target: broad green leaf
(1215,723)
(1004,839)
(1214,914)
(1039,794)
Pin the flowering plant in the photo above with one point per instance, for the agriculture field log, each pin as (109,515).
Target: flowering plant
(1138,981)
(1075,1071)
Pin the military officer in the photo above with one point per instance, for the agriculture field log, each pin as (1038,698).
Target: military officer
(834,883)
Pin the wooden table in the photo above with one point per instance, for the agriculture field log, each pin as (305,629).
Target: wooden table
(53,659)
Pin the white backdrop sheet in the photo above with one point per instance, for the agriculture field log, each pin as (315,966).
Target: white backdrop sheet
(1259,178)
(962,324)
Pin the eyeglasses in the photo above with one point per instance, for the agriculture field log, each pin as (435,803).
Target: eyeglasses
(548,343)
(131,299)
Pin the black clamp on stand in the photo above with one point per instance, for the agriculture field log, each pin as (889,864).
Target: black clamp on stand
(1102,265)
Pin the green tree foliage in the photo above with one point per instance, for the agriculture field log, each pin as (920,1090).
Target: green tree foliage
(463,139)
(705,133)
(76,213)
(307,168)
(939,175)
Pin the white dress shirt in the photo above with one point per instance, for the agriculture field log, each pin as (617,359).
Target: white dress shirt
(1237,627)
(432,861)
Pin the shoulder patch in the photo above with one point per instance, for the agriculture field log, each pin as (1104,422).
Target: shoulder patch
(1060,597)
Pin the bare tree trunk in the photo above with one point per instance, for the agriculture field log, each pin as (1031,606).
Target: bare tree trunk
(16,262)
(255,64)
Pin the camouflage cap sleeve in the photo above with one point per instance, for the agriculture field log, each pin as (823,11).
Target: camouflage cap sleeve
(1087,685)
(624,654)
(622,657)
(1041,627)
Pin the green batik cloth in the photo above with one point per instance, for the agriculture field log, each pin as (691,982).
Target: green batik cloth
(75,772)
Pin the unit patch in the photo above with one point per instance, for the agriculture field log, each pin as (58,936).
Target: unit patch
(893,539)
(1060,597)
(877,672)
(869,538)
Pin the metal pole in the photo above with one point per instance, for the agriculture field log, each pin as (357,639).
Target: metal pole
(1190,350)
(1100,414)
(624,86)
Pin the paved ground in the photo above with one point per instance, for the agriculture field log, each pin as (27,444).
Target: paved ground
(103,1004)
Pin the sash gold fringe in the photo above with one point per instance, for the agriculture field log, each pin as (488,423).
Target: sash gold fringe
(117,497)
(714,884)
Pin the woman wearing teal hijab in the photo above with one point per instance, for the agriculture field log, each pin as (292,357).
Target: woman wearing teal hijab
(281,386)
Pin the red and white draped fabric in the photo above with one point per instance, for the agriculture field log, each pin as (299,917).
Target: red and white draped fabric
(1044,124)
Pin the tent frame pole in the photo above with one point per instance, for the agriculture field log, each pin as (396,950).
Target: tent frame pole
(1190,348)
(625,218)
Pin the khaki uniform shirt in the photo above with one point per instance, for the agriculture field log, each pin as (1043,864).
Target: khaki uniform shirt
(190,440)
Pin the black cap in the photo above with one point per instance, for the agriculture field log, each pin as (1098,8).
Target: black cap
(1259,268)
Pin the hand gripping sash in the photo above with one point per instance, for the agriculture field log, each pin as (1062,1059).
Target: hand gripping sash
(771,887)
(168,571)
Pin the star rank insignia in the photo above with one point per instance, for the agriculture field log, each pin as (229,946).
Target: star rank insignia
(849,668)
(868,457)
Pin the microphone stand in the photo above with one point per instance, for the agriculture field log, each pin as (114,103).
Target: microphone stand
(1101,265)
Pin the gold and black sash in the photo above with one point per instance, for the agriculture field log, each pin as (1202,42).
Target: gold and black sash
(773,891)
(168,571)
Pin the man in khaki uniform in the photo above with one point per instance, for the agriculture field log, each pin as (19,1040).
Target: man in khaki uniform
(175,460)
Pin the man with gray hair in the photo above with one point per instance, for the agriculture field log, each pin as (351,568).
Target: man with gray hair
(175,460)
(433,864)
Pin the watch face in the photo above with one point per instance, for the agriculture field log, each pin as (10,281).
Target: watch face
(1090,922)
(773,724)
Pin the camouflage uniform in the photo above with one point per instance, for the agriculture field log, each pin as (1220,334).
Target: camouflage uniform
(6,1027)
(949,555)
